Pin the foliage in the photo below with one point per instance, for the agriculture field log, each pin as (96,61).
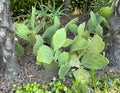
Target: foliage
(84,51)
(106,84)
(46,10)
(50,10)
(106,12)
(96,22)
(55,86)
(29,33)
(22,6)
(29,88)
(97,4)
(82,6)
(43,14)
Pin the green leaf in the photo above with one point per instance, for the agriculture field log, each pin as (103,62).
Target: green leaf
(92,22)
(99,30)
(93,18)
(96,44)
(56,21)
(81,29)
(68,42)
(63,58)
(81,76)
(63,70)
(22,31)
(73,21)
(90,26)
(86,35)
(72,28)
(39,42)
(59,39)
(45,54)
(79,43)
(33,17)
(31,39)
(49,32)
(38,28)
(57,53)
(19,49)
(51,67)
(74,60)
(104,22)
(106,12)
(93,60)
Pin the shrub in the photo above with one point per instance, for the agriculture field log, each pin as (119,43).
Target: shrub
(84,51)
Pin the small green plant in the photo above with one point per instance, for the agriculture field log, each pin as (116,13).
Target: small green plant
(55,86)
(30,88)
(96,23)
(28,32)
(96,84)
(77,87)
(84,51)
(50,10)
(97,4)
(105,84)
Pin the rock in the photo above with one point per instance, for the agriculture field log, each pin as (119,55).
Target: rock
(113,51)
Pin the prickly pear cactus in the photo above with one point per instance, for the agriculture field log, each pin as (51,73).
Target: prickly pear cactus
(113,51)
(9,59)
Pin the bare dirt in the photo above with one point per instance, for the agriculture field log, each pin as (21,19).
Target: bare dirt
(30,71)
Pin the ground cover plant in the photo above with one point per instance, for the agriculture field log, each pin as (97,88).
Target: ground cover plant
(106,84)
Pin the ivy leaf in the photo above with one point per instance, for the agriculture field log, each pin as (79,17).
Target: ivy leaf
(63,70)
(79,43)
(63,58)
(45,54)
(39,42)
(96,44)
(81,76)
(81,29)
(94,60)
(22,31)
(59,39)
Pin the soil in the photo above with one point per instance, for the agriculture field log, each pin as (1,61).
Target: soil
(30,71)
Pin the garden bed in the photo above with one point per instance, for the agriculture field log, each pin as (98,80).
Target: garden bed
(31,72)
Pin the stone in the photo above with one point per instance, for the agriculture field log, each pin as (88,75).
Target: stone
(113,51)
